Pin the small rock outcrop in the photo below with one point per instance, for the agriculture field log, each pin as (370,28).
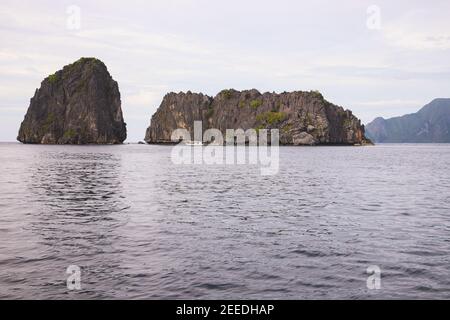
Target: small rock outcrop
(79,104)
(303,118)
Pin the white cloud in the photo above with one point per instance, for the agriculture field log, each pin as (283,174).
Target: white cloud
(145,97)
(425,29)
(390,103)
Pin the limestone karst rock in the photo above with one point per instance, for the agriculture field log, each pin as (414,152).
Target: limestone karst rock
(79,104)
(303,118)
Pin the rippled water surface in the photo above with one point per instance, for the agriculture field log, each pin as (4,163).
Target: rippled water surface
(140,227)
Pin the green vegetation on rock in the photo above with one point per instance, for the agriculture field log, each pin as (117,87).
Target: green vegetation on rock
(260,127)
(227,93)
(317,94)
(347,123)
(255,104)
(286,128)
(53,78)
(89,62)
(271,118)
(84,60)
(69,134)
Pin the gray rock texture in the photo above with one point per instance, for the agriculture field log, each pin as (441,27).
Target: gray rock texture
(303,118)
(79,104)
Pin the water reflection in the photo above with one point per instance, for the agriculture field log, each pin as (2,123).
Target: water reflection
(79,207)
(141,227)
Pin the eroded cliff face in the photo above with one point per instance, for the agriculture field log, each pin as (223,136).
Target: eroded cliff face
(303,118)
(79,104)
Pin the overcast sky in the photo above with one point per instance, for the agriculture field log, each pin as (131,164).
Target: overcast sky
(375,67)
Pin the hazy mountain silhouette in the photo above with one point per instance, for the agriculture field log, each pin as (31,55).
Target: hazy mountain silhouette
(431,124)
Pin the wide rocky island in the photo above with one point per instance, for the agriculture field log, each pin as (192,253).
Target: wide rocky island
(303,118)
(79,104)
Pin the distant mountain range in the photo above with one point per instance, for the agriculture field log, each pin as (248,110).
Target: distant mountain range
(431,124)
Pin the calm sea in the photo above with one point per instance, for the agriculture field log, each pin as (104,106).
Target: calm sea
(140,227)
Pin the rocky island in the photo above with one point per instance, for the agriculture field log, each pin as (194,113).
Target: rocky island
(303,118)
(79,104)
